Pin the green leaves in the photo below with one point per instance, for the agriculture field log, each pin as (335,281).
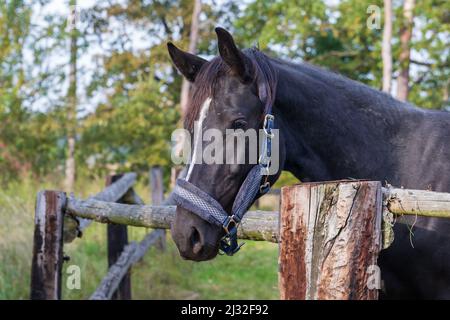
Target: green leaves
(136,131)
(337,37)
(129,126)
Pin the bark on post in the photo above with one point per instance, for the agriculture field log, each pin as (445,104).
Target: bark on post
(330,236)
(46,266)
(117,237)
(157,189)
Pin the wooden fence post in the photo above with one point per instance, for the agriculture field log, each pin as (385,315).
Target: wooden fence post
(117,237)
(46,266)
(157,195)
(330,237)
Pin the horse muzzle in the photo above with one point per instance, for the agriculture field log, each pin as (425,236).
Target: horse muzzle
(196,239)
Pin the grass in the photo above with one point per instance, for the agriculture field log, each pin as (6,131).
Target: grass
(251,274)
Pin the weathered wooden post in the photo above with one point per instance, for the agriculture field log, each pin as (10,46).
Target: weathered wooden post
(46,266)
(117,237)
(330,237)
(157,195)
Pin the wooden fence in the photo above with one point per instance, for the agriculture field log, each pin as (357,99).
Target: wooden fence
(331,234)
(54,227)
(348,222)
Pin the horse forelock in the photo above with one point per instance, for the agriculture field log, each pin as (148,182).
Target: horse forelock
(207,82)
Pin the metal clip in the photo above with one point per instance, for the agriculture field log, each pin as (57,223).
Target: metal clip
(226,224)
(264,188)
(267,126)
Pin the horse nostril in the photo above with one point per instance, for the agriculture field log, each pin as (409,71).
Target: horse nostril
(196,241)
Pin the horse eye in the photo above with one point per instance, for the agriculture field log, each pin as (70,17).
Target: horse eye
(239,124)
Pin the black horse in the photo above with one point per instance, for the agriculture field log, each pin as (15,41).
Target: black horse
(330,128)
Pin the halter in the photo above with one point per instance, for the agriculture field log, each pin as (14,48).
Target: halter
(193,199)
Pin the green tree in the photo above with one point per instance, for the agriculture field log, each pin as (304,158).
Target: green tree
(338,38)
(132,126)
(307,30)
(429,85)
(135,133)
(27,142)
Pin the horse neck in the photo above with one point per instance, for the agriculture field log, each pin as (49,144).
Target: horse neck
(332,127)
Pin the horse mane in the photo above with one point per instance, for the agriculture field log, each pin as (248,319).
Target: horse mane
(263,74)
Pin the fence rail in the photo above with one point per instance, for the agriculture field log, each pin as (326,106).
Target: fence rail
(131,254)
(303,266)
(256,225)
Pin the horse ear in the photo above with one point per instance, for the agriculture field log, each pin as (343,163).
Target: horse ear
(232,56)
(188,64)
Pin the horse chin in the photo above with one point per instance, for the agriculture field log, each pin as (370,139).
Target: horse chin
(211,254)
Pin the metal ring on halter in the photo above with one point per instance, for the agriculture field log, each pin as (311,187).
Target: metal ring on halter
(268,118)
(226,224)
(264,187)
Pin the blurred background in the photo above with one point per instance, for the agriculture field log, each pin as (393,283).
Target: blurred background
(87,89)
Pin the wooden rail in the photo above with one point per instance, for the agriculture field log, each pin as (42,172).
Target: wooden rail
(417,202)
(112,193)
(256,225)
(131,254)
(345,233)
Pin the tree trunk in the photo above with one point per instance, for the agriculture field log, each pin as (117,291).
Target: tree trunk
(185,85)
(405,50)
(72,100)
(387,47)
(193,39)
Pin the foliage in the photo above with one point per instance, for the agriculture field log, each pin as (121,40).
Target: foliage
(338,38)
(431,41)
(134,90)
(135,132)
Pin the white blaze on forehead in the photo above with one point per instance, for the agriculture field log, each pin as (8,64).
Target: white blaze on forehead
(198,137)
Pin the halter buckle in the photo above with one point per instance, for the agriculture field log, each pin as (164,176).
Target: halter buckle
(227,222)
(229,244)
(264,188)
